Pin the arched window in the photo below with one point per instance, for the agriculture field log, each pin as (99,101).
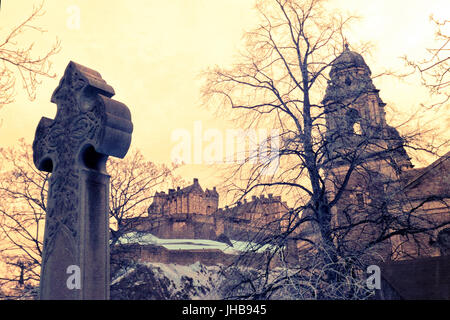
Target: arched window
(360,200)
(353,117)
(357,128)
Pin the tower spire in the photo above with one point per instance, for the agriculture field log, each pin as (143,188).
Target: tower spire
(346,45)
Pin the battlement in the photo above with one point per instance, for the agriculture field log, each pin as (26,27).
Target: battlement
(189,200)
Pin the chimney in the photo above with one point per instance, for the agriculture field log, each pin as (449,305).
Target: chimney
(178,188)
(270,195)
(195,180)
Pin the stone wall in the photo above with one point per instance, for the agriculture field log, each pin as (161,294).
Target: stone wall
(428,193)
(422,279)
(178,226)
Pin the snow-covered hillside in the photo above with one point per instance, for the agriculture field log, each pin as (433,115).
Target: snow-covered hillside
(148,281)
(144,238)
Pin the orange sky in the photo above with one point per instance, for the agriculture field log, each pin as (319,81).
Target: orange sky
(152,52)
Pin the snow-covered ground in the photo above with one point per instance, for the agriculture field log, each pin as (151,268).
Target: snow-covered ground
(190,244)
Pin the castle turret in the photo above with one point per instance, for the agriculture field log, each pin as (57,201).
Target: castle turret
(158,204)
(189,200)
(211,200)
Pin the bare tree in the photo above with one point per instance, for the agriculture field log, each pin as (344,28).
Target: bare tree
(434,69)
(20,60)
(338,160)
(23,190)
(23,194)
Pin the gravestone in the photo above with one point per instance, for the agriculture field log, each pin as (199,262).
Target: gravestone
(88,127)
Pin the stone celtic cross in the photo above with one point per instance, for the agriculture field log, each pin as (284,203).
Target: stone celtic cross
(88,127)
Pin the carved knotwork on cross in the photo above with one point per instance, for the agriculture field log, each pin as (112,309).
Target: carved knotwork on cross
(88,127)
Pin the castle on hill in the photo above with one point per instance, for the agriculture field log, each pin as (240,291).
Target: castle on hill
(194,213)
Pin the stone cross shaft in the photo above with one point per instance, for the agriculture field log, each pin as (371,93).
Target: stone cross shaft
(88,127)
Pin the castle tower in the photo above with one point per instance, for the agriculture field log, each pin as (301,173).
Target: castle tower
(359,139)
